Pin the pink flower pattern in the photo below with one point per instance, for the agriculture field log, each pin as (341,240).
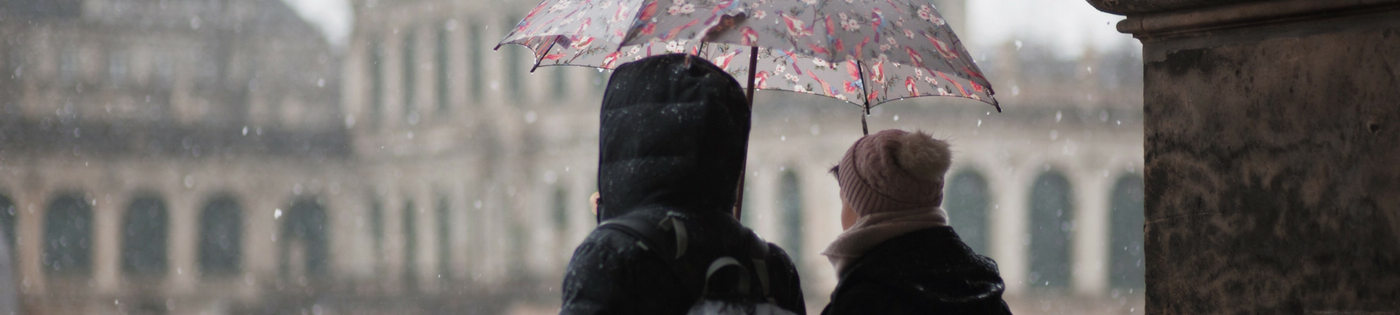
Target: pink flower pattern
(852,50)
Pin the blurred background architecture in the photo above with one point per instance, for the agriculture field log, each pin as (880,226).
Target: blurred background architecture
(223,157)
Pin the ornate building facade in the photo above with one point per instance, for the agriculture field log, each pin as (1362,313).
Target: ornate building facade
(219,157)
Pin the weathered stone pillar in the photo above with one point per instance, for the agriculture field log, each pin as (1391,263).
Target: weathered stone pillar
(260,236)
(1272,133)
(107,210)
(31,204)
(183,243)
(1008,242)
(1091,231)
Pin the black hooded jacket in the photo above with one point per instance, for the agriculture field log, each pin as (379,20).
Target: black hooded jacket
(928,271)
(672,140)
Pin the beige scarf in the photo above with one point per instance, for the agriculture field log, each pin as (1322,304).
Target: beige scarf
(874,229)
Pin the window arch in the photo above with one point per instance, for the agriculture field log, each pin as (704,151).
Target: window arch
(791,199)
(967,202)
(440,61)
(145,231)
(1126,265)
(221,237)
(408,75)
(304,236)
(748,216)
(559,209)
(410,245)
(444,240)
(376,229)
(1051,225)
(477,64)
(8,217)
(68,236)
(514,64)
(376,75)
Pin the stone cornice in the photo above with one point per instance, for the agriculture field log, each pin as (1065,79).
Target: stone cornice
(1165,24)
(1132,7)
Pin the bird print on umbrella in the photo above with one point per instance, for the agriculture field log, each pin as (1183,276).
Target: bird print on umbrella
(865,52)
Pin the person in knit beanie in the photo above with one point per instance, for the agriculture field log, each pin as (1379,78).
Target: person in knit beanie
(898,255)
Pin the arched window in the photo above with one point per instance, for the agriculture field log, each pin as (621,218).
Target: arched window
(145,231)
(68,236)
(790,194)
(1051,224)
(221,237)
(1126,268)
(376,76)
(967,202)
(444,240)
(514,64)
(7,222)
(561,84)
(408,73)
(477,73)
(748,216)
(440,56)
(376,230)
(559,209)
(303,239)
(410,245)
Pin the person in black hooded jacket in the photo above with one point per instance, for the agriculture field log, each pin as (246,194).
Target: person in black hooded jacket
(898,255)
(672,143)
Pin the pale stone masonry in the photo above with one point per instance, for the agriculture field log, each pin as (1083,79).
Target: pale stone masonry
(469,199)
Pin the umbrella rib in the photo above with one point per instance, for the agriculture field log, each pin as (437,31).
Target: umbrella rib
(860,69)
(546,53)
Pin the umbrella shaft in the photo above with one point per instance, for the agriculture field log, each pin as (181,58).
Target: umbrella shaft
(739,201)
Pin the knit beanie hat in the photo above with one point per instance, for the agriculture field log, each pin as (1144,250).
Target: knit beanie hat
(893,170)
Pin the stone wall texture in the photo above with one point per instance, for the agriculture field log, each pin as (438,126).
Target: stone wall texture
(1273,171)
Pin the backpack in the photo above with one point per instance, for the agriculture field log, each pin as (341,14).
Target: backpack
(724,279)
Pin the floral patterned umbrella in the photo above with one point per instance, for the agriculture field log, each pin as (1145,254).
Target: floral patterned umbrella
(864,52)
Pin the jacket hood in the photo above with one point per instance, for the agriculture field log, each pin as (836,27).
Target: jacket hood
(673,135)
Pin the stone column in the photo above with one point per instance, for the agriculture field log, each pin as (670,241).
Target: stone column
(184,209)
(260,231)
(31,205)
(1090,238)
(1272,141)
(1009,241)
(108,207)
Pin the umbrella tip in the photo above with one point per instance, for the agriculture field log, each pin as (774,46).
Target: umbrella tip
(498,48)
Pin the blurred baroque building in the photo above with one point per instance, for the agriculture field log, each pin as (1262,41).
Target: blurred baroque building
(220,157)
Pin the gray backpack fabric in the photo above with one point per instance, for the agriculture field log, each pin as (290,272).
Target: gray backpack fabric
(734,282)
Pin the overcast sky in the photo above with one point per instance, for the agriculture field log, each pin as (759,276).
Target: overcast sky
(1069,26)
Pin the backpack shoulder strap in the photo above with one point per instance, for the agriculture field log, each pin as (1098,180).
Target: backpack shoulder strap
(666,238)
(759,255)
(653,236)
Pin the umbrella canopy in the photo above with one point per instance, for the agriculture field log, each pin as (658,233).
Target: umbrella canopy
(865,52)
